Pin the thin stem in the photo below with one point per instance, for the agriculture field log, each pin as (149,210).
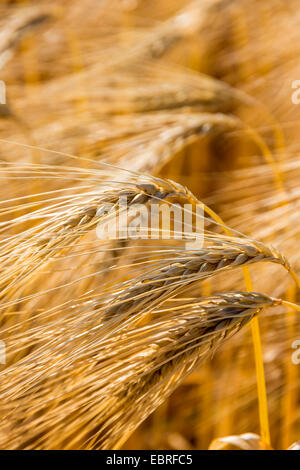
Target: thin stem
(295,277)
(267,154)
(259,365)
(290,396)
(287,304)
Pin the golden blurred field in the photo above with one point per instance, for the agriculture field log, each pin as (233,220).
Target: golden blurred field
(104,96)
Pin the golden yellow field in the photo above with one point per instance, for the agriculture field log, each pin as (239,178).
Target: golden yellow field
(185,337)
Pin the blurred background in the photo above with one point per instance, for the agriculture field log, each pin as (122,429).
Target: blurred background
(116,80)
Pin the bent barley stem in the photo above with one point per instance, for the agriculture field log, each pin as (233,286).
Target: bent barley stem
(268,158)
(254,323)
(261,385)
(288,304)
(259,365)
(290,396)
